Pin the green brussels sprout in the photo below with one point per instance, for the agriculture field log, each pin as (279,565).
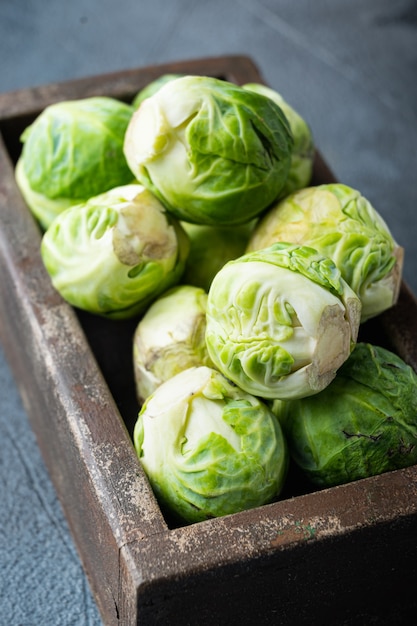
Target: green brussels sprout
(364,423)
(71,152)
(170,338)
(281,321)
(208,448)
(116,253)
(212,152)
(303,153)
(211,248)
(340,223)
(152,88)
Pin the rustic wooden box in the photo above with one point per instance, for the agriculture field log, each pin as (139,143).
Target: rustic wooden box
(346,555)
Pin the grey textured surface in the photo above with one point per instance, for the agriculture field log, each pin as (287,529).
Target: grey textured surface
(348,66)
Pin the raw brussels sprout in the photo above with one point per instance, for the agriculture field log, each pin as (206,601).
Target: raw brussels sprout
(208,448)
(152,88)
(71,152)
(364,423)
(340,223)
(212,152)
(281,321)
(116,253)
(211,248)
(303,152)
(170,338)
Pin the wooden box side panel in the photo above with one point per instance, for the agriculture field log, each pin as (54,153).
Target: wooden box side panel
(365,578)
(103,490)
(332,556)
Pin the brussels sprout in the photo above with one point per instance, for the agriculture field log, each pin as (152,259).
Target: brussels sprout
(170,338)
(116,253)
(211,248)
(152,88)
(281,321)
(71,152)
(340,223)
(212,152)
(364,423)
(208,448)
(303,152)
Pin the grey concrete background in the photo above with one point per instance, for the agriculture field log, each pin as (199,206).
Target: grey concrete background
(348,66)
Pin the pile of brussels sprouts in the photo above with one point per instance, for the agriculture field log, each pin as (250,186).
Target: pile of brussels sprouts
(191,210)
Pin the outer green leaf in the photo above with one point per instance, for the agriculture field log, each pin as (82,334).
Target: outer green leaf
(170,337)
(281,321)
(210,248)
(152,88)
(208,448)
(303,153)
(71,152)
(116,253)
(364,423)
(341,224)
(213,152)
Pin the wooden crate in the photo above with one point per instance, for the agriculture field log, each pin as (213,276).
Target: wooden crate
(345,555)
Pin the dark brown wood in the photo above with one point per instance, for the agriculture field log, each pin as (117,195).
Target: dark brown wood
(330,556)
